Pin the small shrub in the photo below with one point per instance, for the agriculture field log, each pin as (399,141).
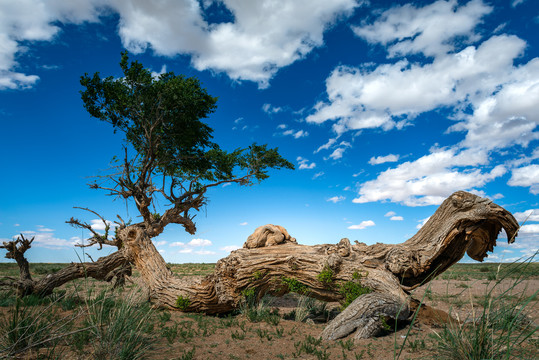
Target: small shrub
(351,290)
(257,275)
(182,303)
(118,331)
(295,286)
(325,276)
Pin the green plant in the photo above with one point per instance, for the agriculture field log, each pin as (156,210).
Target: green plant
(182,303)
(351,290)
(187,355)
(497,329)
(347,345)
(238,335)
(294,285)
(170,333)
(326,276)
(257,275)
(24,328)
(259,310)
(118,331)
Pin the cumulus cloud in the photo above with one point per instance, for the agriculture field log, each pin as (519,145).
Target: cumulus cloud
(244,223)
(45,238)
(304,163)
(205,252)
(381,98)
(429,179)
(260,37)
(409,30)
(199,242)
(362,225)
(177,243)
(99,225)
(230,248)
(336,199)
(492,100)
(528,215)
(396,218)
(383,159)
(526,176)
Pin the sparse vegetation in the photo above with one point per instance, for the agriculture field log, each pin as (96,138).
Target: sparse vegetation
(72,323)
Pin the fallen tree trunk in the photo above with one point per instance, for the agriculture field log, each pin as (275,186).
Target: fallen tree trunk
(271,262)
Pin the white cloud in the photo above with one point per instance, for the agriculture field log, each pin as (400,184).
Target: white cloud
(422,222)
(226,184)
(185,251)
(177,243)
(295,133)
(526,176)
(263,36)
(407,29)
(16,225)
(205,252)
(362,225)
(383,159)
(46,239)
(160,243)
(380,98)
(269,109)
(98,225)
(326,146)
(156,75)
(281,126)
(390,213)
(199,242)
(336,199)
(529,229)
(161,251)
(230,248)
(528,215)
(304,163)
(492,100)
(396,218)
(429,179)
(318,174)
(244,223)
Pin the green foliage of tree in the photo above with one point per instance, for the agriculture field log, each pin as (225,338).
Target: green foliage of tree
(174,154)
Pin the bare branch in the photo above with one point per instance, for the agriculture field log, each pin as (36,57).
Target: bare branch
(97,238)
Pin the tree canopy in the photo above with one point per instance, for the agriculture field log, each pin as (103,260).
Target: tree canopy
(175,156)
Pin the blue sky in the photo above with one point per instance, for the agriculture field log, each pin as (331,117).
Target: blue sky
(385,108)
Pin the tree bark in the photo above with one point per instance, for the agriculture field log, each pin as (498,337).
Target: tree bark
(271,262)
(464,223)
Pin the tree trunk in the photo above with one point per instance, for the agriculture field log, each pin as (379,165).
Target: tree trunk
(464,223)
(271,262)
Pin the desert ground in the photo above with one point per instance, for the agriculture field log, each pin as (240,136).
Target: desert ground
(480,309)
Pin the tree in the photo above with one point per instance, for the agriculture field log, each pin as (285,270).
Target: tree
(169,155)
(172,157)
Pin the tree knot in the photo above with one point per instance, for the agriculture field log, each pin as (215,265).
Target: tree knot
(268,235)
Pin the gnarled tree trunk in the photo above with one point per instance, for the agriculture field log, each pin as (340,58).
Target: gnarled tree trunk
(464,223)
(271,262)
